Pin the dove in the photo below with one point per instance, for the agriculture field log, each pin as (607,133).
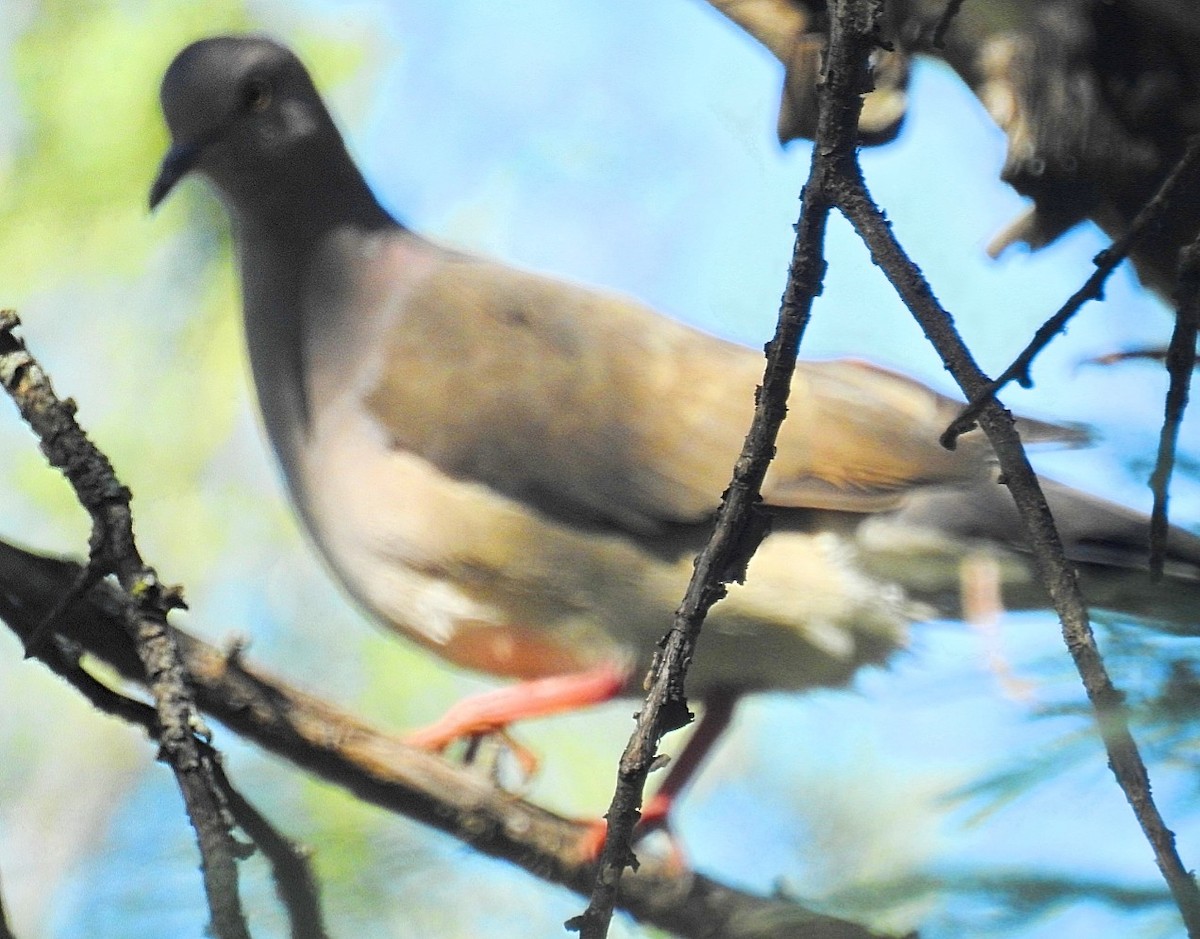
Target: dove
(516,472)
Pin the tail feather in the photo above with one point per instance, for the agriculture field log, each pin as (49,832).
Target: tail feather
(1108,542)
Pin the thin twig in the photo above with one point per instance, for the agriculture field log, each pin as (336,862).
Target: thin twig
(113,550)
(1181,362)
(1106,262)
(381,769)
(737,531)
(290,863)
(295,884)
(62,656)
(1058,576)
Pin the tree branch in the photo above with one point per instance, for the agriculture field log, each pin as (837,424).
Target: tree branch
(295,885)
(114,551)
(1177,182)
(738,530)
(1060,153)
(294,881)
(1181,365)
(1056,573)
(320,738)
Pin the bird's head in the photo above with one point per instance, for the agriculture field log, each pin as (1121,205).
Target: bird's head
(237,109)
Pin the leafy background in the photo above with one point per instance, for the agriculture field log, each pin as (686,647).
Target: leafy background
(618,143)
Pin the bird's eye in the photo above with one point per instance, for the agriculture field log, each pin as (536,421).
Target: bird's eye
(256,96)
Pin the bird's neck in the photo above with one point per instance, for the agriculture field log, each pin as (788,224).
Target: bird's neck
(295,292)
(272,301)
(287,225)
(299,212)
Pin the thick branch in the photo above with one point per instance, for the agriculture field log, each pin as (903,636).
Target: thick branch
(320,738)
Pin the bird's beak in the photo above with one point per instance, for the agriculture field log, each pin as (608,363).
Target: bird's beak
(178,162)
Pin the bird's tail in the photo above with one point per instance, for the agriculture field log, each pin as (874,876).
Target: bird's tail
(1107,542)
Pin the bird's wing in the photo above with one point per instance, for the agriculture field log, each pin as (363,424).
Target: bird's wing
(594,407)
(859,437)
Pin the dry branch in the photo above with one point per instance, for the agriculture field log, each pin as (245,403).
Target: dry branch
(325,740)
(112,550)
(62,611)
(1175,186)
(1056,573)
(737,531)
(1097,99)
(1181,364)
(1062,153)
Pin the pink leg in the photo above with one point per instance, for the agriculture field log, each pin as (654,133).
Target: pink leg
(718,711)
(494,710)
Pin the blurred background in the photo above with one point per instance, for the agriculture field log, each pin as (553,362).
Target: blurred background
(616,142)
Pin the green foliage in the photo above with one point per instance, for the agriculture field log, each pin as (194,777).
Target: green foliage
(91,134)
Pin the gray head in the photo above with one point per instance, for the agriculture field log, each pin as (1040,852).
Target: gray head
(243,112)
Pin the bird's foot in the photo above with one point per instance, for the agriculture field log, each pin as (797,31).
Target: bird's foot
(493,711)
(655,820)
(656,812)
(491,759)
